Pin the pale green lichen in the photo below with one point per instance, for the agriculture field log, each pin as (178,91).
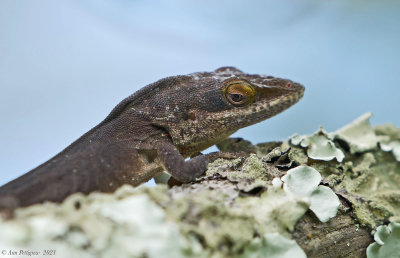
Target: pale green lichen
(250,175)
(394,147)
(227,225)
(389,131)
(202,220)
(274,211)
(298,155)
(370,182)
(359,135)
(369,177)
(206,219)
(273,245)
(222,165)
(389,139)
(387,242)
(94,226)
(277,182)
(304,181)
(204,214)
(324,203)
(319,146)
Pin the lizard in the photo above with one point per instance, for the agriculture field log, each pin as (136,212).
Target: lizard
(155,130)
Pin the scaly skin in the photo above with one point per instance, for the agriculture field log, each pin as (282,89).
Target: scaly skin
(153,130)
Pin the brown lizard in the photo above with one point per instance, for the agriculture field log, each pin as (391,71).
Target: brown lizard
(154,130)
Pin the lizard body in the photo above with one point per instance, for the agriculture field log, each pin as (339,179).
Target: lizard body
(154,130)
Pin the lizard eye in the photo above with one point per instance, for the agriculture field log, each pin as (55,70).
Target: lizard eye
(239,92)
(236,97)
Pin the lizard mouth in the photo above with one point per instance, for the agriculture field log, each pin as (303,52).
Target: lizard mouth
(279,89)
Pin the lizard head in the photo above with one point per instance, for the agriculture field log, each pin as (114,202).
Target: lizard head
(201,109)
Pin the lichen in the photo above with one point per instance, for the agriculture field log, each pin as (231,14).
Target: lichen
(273,246)
(95,225)
(359,135)
(389,139)
(319,146)
(394,147)
(303,181)
(324,203)
(387,240)
(274,211)
(251,174)
(209,218)
(226,222)
(368,177)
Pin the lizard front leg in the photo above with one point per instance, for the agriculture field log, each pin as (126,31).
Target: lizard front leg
(183,170)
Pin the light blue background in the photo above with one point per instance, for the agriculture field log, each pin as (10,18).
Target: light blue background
(65,64)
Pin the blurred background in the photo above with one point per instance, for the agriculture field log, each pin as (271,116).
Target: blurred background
(65,64)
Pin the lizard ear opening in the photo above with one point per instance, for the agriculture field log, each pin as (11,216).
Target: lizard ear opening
(239,92)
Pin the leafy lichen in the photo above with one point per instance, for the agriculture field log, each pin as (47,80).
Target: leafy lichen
(359,135)
(368,177)
(387,240)
(389,137)
(304,181)
(87,226)
(273,245)
(319,146)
